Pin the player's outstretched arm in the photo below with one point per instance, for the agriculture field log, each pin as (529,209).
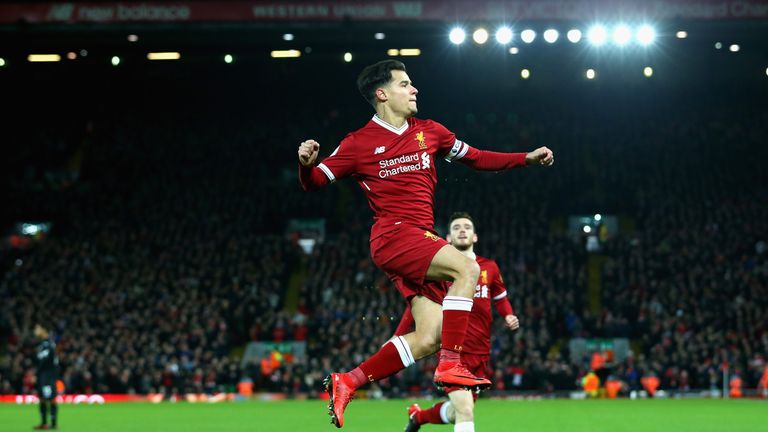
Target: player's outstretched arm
(485,160)
(310,176)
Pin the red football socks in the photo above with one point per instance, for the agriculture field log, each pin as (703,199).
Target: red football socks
(431,415)
(455,318)
(384,363)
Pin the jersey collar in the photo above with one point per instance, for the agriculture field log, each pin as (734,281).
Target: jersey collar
(376,119)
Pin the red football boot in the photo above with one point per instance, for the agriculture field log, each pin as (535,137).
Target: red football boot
(413,425)
(455,374)
(341,391)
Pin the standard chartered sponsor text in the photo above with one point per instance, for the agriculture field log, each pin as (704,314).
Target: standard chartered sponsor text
(399,160)
(400,168)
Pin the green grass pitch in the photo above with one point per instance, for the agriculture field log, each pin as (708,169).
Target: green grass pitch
(699,415)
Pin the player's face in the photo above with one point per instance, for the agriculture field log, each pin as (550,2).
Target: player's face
(462,233)
(401,94)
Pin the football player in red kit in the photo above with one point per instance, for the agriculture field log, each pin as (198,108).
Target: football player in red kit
(392,158)
(477,344)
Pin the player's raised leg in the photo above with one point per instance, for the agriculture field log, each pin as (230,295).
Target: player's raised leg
(450,264)
(393,356)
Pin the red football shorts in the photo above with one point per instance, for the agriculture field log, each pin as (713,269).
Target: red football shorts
(478,365)
(405,254)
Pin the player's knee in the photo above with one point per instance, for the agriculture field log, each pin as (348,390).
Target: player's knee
(469,269)
(464,409)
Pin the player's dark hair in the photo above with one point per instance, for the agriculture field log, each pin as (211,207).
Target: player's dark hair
(460,215)
(375,76)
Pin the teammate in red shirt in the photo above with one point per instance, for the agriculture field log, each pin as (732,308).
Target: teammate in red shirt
(477,344)
(392,158)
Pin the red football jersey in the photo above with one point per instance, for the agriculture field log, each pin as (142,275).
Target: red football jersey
(395,168)
(490,288)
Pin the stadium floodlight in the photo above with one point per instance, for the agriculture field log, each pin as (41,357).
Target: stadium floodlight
(285,54)
(590,74)
(621,35)
(648,71)
(597,35)
(347,57)
(164,55)
(682,34)
(115,60)
(288,37)
(734,48)
(525,74)
(457,36)
(504,35)
(410,52)
(34,58)
(480,36)
(379,36)
(551,35)
(574,35)
(527,35)
(646,35)
(228,59)
(514,50)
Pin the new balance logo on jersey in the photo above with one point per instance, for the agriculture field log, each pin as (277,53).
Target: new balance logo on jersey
(379,150)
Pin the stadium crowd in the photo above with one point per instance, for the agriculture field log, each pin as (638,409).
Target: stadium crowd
(169,254)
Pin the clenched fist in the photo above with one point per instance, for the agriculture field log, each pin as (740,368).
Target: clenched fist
(308,151)
(511,322)
(540,156)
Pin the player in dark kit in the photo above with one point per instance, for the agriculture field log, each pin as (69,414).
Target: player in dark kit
(490,288)
(47,374)
(392,158)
